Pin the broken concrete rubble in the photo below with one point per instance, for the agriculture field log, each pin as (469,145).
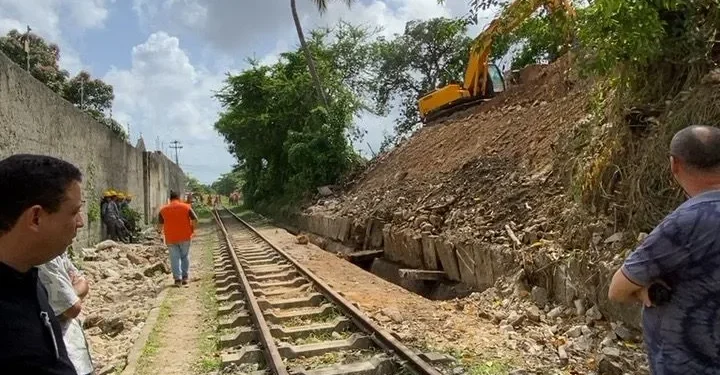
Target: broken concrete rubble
(120,298)
(478,263)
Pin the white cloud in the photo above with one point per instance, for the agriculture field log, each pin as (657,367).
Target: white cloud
(86,14)
(44,16)
(164,95)
(264,29)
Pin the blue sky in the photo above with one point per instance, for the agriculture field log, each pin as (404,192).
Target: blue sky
(166,57)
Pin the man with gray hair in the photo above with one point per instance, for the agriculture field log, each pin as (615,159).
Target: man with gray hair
(675,272)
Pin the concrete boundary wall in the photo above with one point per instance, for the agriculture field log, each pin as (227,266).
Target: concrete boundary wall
(33,119)
(476,263)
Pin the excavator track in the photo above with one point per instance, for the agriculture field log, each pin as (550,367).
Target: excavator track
(445,111)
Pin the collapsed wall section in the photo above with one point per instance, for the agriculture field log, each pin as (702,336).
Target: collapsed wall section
(476,263)
(34,119)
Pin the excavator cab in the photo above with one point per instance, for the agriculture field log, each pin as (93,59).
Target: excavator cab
(496,79)
(455,97)
(483,80)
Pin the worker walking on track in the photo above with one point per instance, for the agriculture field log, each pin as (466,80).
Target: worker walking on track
(177,221)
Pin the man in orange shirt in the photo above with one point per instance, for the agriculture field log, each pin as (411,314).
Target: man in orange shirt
(177,221)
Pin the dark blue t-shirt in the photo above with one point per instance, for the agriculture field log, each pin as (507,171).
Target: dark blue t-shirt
(683,336)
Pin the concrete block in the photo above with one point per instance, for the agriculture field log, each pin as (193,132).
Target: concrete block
(357,233)
(429,253)
(484,273)
(327,227)
(344,229)
(392,251)
(412,253)
(448,260)
(374,234)
(466,262)
(505,261)
(390,271)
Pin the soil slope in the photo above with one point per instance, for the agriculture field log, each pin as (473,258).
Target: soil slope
(492,165)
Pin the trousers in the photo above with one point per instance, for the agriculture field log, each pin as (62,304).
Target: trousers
(180,259)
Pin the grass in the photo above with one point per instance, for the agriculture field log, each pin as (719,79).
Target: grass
(248,215)
(152,346)
(477,365)
(327,316)
(209,359)
(488,368)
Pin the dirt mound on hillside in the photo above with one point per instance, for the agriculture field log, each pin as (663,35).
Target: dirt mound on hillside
(489,166)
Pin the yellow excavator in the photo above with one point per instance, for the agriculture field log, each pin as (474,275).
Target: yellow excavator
(483,80)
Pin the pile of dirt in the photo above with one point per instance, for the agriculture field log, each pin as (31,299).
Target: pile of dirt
(124,283)
(491,166)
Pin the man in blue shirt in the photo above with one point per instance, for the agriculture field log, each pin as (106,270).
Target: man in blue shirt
(682,334)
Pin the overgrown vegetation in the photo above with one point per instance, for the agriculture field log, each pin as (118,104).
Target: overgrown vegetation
(91,95)
(285,141)
(429,54)
(228,183)
(646,58)
(209,356)
(652,56)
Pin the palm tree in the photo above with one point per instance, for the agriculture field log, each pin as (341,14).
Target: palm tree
(322,7)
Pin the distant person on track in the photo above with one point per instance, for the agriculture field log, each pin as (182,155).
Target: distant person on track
(67,288)
(178,221)
(675,272)
(39,217)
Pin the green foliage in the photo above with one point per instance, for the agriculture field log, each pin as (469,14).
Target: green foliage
(615,31)
(132,219)
(93,211)
(88,93)
(92,197)
(44,58)
(228,183)
(285,141)
(428,55)
(97,96)
(194,185)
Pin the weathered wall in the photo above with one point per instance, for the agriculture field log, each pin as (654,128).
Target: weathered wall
(477,264)
(33,119)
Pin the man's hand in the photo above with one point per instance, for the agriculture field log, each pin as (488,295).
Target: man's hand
(644,298)
(81,286)
(625,290)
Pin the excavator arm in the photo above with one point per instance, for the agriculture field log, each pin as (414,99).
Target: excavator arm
(511,18)
(476,86)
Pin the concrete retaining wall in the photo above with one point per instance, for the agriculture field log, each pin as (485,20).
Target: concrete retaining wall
(478,264)
(33,119)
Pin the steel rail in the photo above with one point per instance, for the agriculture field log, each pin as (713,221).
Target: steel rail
(381,337)
(272,355)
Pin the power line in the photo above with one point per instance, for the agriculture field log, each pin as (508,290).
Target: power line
(176,145)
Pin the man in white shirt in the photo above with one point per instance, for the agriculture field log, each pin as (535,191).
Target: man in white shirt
(66,289)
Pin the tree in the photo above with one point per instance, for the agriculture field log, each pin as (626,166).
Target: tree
(44,58)
(322,7)
(228,183)
(92,95)
(195,186)
(428,55)
(285,143)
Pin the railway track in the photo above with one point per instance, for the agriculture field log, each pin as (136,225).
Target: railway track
(276,317)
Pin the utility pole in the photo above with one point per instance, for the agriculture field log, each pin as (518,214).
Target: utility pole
(26,45)
(82,93)
(176,145)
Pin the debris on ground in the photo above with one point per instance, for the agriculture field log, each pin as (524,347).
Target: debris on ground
(125,280)
(505,324)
